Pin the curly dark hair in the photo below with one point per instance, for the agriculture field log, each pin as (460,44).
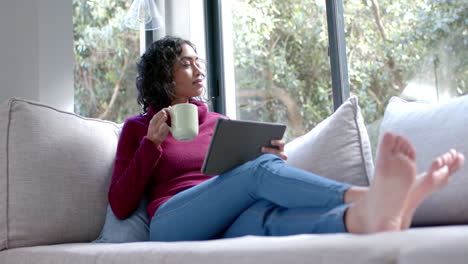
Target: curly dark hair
(154,80)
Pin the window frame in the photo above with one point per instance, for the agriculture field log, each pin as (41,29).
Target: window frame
(337,52)
(214,54)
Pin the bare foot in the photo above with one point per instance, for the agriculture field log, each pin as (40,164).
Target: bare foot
(382,207)
(427,183)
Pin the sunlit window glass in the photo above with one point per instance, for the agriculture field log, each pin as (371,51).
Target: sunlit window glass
(276,62)
(105,60)
(413,49)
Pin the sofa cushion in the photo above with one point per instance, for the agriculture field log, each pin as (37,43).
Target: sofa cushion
(412,246)
(337,148)
(55,169)
(434,129)
(449,247)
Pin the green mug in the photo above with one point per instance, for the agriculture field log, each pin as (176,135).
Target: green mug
(184,121)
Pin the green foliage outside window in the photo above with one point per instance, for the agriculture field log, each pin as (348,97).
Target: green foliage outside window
(105,57)
(391,43)
(282,69)
(281,65)
(280,49)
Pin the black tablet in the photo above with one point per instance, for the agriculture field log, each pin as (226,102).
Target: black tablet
(235,142)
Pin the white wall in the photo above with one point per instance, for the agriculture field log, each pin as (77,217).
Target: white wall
(36,51)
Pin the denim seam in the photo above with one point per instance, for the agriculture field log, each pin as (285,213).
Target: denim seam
(294,216)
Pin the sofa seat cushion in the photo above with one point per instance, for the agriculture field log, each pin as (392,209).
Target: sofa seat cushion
(55,168)
(391,247)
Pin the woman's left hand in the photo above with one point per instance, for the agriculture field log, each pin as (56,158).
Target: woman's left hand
(277,151)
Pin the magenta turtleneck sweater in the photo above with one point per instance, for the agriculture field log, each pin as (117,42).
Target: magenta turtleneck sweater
(161,172)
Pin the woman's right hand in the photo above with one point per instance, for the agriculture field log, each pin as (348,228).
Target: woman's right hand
(158,129)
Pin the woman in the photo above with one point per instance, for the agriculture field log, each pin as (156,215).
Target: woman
(261,197)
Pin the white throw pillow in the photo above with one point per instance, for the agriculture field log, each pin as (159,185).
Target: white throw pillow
(337,148)
(434,129)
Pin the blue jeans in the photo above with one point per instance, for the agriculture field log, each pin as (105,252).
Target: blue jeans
(261,197)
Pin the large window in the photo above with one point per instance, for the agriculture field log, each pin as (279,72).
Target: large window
(276,63)
(276,57)
(412,49)
(105,60)
(277,68)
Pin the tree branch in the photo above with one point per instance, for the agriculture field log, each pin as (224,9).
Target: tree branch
(378,19)
(116,89)
(390,60)
(86,74)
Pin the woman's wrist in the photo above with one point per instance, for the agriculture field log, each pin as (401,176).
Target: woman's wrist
(155,142)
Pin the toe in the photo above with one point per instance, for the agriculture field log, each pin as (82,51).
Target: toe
(461,158)
(412,154)
(398,144)
(409,149)
(457,163)
(448,157)
(387,143)
(436,164)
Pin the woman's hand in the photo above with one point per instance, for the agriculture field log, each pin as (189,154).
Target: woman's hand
(277,151)
(158,129)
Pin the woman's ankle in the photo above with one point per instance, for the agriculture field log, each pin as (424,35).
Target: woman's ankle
(354,194)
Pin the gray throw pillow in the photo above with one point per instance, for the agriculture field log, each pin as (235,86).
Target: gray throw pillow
(337,148)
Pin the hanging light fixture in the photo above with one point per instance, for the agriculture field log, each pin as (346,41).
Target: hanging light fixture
(144,15)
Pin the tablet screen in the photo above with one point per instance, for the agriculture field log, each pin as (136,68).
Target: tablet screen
(235,142)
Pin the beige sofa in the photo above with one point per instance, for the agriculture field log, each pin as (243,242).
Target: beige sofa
(54,174)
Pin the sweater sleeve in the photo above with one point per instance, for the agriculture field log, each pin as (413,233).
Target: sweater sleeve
(134,163)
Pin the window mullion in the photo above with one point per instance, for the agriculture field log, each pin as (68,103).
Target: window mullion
(337,52)
(215,69)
